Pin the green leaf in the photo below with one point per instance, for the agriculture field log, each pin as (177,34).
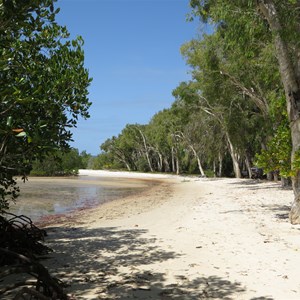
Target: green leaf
(9,121)
(21,134)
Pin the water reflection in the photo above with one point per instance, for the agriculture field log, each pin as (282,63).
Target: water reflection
(52,195)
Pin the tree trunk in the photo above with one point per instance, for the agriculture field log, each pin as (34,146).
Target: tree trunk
(177,165)
(285,182)
(214,168)
(149,162)
(173,160)
(198,161)
(200,167)
(160,162)
(167,165)
(248,165)
(127,166)
(146,150)
(235,158)
(220,170)
(122,159)
(290,79)
(270,176)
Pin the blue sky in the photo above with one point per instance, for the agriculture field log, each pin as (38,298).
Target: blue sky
(132,51)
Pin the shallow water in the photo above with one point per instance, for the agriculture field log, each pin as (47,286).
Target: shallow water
(42,196)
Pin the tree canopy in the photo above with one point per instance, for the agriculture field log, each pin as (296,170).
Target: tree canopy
(43,88)
(242,103)
(227,112)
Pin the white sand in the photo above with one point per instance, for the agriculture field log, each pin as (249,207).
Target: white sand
(187,238)
(119,174)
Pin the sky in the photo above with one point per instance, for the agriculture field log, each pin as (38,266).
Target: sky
(132,52)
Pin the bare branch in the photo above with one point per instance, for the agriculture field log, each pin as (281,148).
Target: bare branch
(258,100)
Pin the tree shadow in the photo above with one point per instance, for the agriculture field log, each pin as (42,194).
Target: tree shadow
(152,286)
(258,184)
(249,182)
(281,211)
(113,263)
(262,298)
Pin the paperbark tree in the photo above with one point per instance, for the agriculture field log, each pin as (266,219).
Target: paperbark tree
(146,147)
(211,92)
(162,135)
(233,15)
(220,70)
(289,66)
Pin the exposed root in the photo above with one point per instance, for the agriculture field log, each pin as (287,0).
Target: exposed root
(21,247)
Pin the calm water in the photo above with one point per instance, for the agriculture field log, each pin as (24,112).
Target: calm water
(45,196)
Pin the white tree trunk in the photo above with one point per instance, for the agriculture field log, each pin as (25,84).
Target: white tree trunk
(235,158)
(173,160)
(177,165)
(214,168)
(160,161)
(198,161)
(290,78)
(220,170)
(146,150)
(248,165)
(122,159)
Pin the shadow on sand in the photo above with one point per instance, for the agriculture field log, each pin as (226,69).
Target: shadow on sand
(281,211)
(112,263)
(257,184)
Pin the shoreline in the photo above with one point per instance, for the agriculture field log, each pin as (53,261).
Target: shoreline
(187,238)
(44,204)
(109,207)
(125,174)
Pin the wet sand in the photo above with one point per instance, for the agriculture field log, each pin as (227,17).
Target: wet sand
(187,238)
(49,197)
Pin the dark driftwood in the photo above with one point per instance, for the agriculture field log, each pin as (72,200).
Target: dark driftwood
(21,246)
(19,234)
(44,284)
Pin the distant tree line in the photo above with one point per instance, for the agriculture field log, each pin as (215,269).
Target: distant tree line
(60,163)
(242,103)
(232,115)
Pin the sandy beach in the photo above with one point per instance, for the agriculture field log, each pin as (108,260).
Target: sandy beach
(186,238)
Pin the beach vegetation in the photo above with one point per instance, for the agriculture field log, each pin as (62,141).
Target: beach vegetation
(43,94)
(241,105)
(60,163)
(43,89)
(255,26)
